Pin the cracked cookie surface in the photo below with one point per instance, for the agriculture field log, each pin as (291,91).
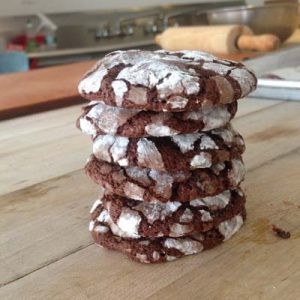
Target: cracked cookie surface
(135,219)
(163,249)
(176,153)
(166,81)
(153,185)
(98,119)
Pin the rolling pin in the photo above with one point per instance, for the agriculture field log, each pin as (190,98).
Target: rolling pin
(225,39)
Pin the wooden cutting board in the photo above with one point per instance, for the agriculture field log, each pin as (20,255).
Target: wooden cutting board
(46,250)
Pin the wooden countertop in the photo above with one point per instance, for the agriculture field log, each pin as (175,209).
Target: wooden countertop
(41,89)
(46,250)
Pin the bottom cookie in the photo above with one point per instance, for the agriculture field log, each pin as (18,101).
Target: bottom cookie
(165,248)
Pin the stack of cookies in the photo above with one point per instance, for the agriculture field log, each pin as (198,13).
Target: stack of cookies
(164,151)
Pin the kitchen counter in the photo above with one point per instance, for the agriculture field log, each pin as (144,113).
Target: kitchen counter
(40,89)
(46,249)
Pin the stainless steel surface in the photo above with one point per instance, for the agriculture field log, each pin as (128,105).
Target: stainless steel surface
(280,89)
(280,19)
(190,13)
(85,50)
(277,89)
(131,21)
(84,35)
(45,22)
(281,58)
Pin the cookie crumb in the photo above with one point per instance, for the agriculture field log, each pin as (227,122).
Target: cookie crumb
(280,232)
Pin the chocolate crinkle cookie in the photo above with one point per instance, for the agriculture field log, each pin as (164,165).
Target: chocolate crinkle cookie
(176,153)
(148,250)
(135,219)
(164,152)
(152,185)
(166,81)
(98,119)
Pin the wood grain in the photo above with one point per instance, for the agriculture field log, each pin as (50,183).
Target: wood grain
(253,265)
(46,250)
(48,87)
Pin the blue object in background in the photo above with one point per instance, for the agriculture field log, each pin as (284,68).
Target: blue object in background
(13,62)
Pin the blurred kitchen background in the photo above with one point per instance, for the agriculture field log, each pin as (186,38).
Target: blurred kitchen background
(62,31)
(36,34)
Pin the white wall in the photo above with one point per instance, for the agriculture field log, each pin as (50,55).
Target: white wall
(23,7)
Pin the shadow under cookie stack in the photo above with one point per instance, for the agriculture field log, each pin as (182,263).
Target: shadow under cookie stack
(164,151)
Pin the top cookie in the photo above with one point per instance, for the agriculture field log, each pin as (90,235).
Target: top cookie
(166,81)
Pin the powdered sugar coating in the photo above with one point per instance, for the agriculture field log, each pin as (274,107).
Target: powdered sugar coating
(178,102)
(159,129)
(157,211)
(238,171)
(119,149)
(143,219)
(129,222)
(103,119)
(103,216)
(148,154)
(230,227)
(186,141)
(175,76)
(198,150)
(186,246)
(201,160)
(213,202)
(92,83)
(91,225)
(245,81)
(126,227)
(120,88)
(163,182)
(187,216)
(226,134)
(217,67)
(139,175)
(137,95)
(155,255)
(87,127)
(100,229)
(195,55)
(168,78)
(177,230)
(102,146)
(95,205)
(108,119)
(110,148)
(134,191)
(207,143)
(153,185)
(160,250)
(206,216)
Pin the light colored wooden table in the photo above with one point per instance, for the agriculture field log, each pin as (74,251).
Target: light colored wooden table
(46,251)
